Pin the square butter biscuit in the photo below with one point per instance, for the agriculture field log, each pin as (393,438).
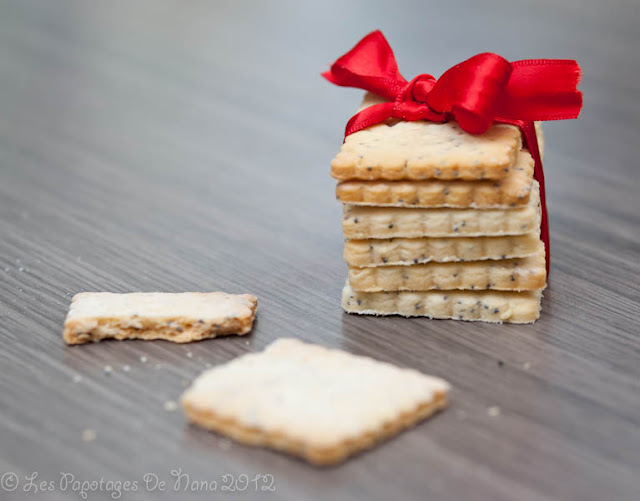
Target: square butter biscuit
(511,191)
(319,404)
(372,252)
(397,150)
(519,274)
(364,222)
(472,306)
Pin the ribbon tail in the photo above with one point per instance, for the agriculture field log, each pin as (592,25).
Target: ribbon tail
(369,116)
(542,89)
(538,174)
(531,142)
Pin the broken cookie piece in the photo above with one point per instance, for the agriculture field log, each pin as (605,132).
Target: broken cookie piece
(176,317)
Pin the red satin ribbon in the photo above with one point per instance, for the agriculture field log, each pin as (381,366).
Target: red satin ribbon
(476,93)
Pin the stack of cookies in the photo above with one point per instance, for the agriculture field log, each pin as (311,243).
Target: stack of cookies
(440,223)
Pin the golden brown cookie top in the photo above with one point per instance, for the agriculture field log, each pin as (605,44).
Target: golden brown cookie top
(421,150)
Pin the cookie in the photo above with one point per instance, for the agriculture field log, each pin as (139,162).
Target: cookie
(319,404)
(422,150)
(406,251)
(180,318)
(362,222)
(518,274)
(482,306)
(511,191)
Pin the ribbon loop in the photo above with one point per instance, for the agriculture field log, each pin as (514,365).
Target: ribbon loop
(370,65)
(470,91)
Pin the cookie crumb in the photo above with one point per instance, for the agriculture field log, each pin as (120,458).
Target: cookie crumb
(77,378)
(88,435)
(143,359)
(225,444)
(494,411)
(108,370)
(126,368)
(170,406)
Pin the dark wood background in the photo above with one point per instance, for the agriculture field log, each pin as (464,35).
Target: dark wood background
(178,146)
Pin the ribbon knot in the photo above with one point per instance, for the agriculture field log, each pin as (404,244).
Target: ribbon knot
(411,103)
(478,92)
(421,86)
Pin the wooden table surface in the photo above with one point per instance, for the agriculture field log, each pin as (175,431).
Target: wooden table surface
(179,146)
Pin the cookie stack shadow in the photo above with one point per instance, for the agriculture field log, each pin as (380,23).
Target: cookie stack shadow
(439,223)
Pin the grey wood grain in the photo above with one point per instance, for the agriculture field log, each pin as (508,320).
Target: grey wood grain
(179,146)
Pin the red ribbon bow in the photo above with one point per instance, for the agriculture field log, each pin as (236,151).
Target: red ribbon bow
(476,93)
